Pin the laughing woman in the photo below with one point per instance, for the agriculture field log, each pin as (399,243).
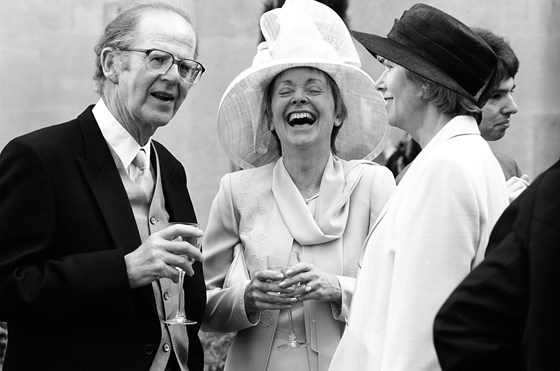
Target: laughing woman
(306,188)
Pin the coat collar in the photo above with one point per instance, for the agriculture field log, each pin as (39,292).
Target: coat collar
(457,126)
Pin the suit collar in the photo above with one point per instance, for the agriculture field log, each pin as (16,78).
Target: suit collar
(103,178)
(118,138)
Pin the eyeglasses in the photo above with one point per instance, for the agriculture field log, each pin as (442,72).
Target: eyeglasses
(159,61)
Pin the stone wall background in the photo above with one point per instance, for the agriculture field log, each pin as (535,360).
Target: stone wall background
(46,64)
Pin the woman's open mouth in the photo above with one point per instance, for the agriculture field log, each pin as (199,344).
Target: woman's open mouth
(301,118)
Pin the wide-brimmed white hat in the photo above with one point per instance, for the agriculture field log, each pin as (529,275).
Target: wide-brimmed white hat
(303,33)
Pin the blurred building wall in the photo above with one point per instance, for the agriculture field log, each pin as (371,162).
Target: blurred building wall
(47,61)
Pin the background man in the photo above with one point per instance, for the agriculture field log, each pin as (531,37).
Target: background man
(496,114)
(86,263)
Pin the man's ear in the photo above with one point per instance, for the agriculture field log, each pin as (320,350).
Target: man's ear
(109,64)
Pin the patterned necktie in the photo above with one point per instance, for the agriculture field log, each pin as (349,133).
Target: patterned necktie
(144,177)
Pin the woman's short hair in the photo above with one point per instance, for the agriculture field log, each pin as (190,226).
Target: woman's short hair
(119,34)
(339,106)
(446,100)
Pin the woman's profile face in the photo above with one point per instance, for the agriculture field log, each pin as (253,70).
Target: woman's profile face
(303,109)
(400,94)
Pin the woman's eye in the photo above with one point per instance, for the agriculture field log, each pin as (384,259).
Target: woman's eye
(284,92)
(386,63)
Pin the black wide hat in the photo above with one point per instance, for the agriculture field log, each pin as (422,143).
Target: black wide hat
(438,47)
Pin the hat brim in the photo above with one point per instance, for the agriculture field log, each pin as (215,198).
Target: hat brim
(405,57)
(249,142)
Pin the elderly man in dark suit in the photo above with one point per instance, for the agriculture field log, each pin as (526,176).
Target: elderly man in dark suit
(87,255)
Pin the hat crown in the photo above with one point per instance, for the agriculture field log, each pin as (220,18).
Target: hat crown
(448,44)
(305,29)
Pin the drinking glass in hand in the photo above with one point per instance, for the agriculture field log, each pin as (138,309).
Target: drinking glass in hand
(281,263)
(180,318)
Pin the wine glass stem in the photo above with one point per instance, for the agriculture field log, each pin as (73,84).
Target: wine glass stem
(293,334)
(181,308)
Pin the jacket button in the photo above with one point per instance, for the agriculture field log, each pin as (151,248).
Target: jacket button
(153,220)
(149,349)
(166,347)
(165,296)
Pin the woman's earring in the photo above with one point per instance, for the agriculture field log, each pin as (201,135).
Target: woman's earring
(424,90)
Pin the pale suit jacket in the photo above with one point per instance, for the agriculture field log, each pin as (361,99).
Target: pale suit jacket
(432,232)
(260,211)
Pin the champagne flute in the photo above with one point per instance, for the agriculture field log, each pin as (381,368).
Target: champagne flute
(180,318)
(281,263)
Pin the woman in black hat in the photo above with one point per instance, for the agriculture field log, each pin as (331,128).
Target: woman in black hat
(436,225)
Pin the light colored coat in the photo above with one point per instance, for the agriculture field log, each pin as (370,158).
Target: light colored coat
(260,211)
(432,232)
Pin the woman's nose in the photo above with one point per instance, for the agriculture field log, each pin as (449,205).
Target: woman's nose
(380,83)
(299,98)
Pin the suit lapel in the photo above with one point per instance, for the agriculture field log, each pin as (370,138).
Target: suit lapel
(104,181)
(177,200)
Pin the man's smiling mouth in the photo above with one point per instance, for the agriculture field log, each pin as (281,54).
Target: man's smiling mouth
(163,96)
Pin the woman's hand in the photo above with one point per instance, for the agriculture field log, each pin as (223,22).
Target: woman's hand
(264,292)
(314,284)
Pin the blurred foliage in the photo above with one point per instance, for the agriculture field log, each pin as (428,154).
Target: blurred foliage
(3,341)
(216,346)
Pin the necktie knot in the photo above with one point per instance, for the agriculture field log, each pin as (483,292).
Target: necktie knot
(141,160)
(144,176)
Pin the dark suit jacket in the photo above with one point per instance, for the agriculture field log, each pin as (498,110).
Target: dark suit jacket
(505,315)
(65,226)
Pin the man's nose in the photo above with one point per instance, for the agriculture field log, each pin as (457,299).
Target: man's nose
(172,73)
(511,107)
